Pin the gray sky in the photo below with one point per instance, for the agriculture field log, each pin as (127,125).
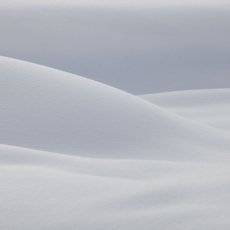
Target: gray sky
(138,50)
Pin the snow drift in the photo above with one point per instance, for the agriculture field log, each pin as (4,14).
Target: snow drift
(210,107)
(78,154)
(137,46)
(46,109)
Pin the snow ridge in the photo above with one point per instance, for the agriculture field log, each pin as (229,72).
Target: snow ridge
(76,153)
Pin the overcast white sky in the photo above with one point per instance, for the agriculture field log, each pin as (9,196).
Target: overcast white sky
(134,49)
(140,3)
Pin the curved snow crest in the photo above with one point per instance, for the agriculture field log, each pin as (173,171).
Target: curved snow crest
(67,126)
(210,107)
(129,169)
(50,110)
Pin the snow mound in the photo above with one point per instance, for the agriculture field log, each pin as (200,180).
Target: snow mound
(210,107)
(50,110)
(78,154)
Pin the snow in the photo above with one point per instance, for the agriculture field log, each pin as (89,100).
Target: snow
(210,107)
(76,153)
(50,110)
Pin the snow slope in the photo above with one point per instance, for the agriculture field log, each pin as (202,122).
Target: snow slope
(210,107)
(41,190)
(50,110)
(78,154)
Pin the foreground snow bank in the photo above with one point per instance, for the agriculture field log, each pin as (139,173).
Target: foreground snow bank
(55,191)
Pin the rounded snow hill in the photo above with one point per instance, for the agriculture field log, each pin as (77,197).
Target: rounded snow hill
(56,112)
(50,110)
(210,107)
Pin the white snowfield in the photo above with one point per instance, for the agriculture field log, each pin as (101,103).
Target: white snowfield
(210,107)
(78,154)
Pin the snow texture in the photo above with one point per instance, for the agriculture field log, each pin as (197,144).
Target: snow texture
(79,154)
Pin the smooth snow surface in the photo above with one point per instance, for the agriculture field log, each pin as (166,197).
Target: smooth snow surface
(210,107)
(50,110)
(77,154)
